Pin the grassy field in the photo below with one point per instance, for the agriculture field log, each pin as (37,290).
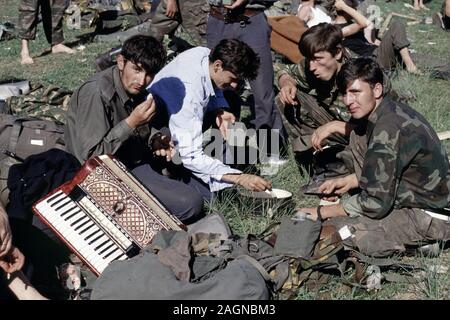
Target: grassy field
(432,100)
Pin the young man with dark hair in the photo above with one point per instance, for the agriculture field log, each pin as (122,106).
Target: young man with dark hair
(400,170)
(190,88)
(109,113)
(308,97)
(246,21)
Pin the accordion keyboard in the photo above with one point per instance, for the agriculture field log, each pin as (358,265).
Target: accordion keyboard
(83,226)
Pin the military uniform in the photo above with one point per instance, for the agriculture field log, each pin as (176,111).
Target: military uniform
(52,12)
(192,15)
(404,178)
(319,103)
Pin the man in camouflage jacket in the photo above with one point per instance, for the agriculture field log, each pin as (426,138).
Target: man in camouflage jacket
(400,170)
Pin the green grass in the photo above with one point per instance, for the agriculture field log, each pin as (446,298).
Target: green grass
(432,101)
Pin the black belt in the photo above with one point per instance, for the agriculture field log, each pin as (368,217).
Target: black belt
(233,16)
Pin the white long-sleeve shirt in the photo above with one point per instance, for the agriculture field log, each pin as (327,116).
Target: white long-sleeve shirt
(185,88)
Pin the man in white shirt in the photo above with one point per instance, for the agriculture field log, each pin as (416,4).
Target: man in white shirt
(191,86)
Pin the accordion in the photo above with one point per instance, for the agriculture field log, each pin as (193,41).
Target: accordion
(104,213)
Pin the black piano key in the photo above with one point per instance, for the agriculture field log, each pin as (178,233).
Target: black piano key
(106,249)
(53,197)
(63,204)
(71,215)
(101,245)
(82,225)
(87,228)
(67,211)
(96,238)
(57,202)
(78,220)
(110,253)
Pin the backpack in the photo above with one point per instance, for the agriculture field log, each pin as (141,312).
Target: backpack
(201,265)
(21,137)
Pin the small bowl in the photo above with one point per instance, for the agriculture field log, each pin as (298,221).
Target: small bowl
(267,203)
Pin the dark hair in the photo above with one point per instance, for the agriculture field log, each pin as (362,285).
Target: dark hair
(364,69)
(237,57)
(146,51)
(321,37)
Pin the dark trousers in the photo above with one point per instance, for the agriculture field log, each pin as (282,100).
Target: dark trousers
(52,16)
(256,33)
(393,41)
(182,199)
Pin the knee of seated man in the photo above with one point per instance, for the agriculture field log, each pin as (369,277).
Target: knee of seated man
(190,205)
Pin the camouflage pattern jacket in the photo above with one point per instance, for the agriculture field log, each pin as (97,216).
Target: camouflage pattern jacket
(405,165)
(325,92)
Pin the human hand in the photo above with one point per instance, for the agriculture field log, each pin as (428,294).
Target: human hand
(162,146)
(339,185)
(142,114)
(5,234)
(288,90)
(320,134)
(236,4)
(223,119)
(253,182)
(13,261)
(172,8)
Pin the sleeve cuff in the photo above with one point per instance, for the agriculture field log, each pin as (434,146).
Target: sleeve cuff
(123,131)
(352,207)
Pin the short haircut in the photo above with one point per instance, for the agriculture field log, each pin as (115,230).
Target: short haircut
(145,51)
(237,57)
(321,37)
(364,69)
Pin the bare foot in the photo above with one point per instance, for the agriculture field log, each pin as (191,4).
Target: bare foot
(424,8)
(416,8)
(60,48)
(26,59)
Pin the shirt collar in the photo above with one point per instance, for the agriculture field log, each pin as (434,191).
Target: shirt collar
(208,81)
(119,86)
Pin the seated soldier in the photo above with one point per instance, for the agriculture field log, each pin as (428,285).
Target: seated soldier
(308,95)
(189,87)
(390,50)
(109,113)
(400,170)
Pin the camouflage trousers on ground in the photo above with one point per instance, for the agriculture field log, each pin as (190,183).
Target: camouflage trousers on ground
(395,39)
(395,232)
(52,12)
(302,120)
(192,16)
(47,103)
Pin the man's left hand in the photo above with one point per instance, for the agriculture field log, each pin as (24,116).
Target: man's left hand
(223,120)
(237,3)
(162,146)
